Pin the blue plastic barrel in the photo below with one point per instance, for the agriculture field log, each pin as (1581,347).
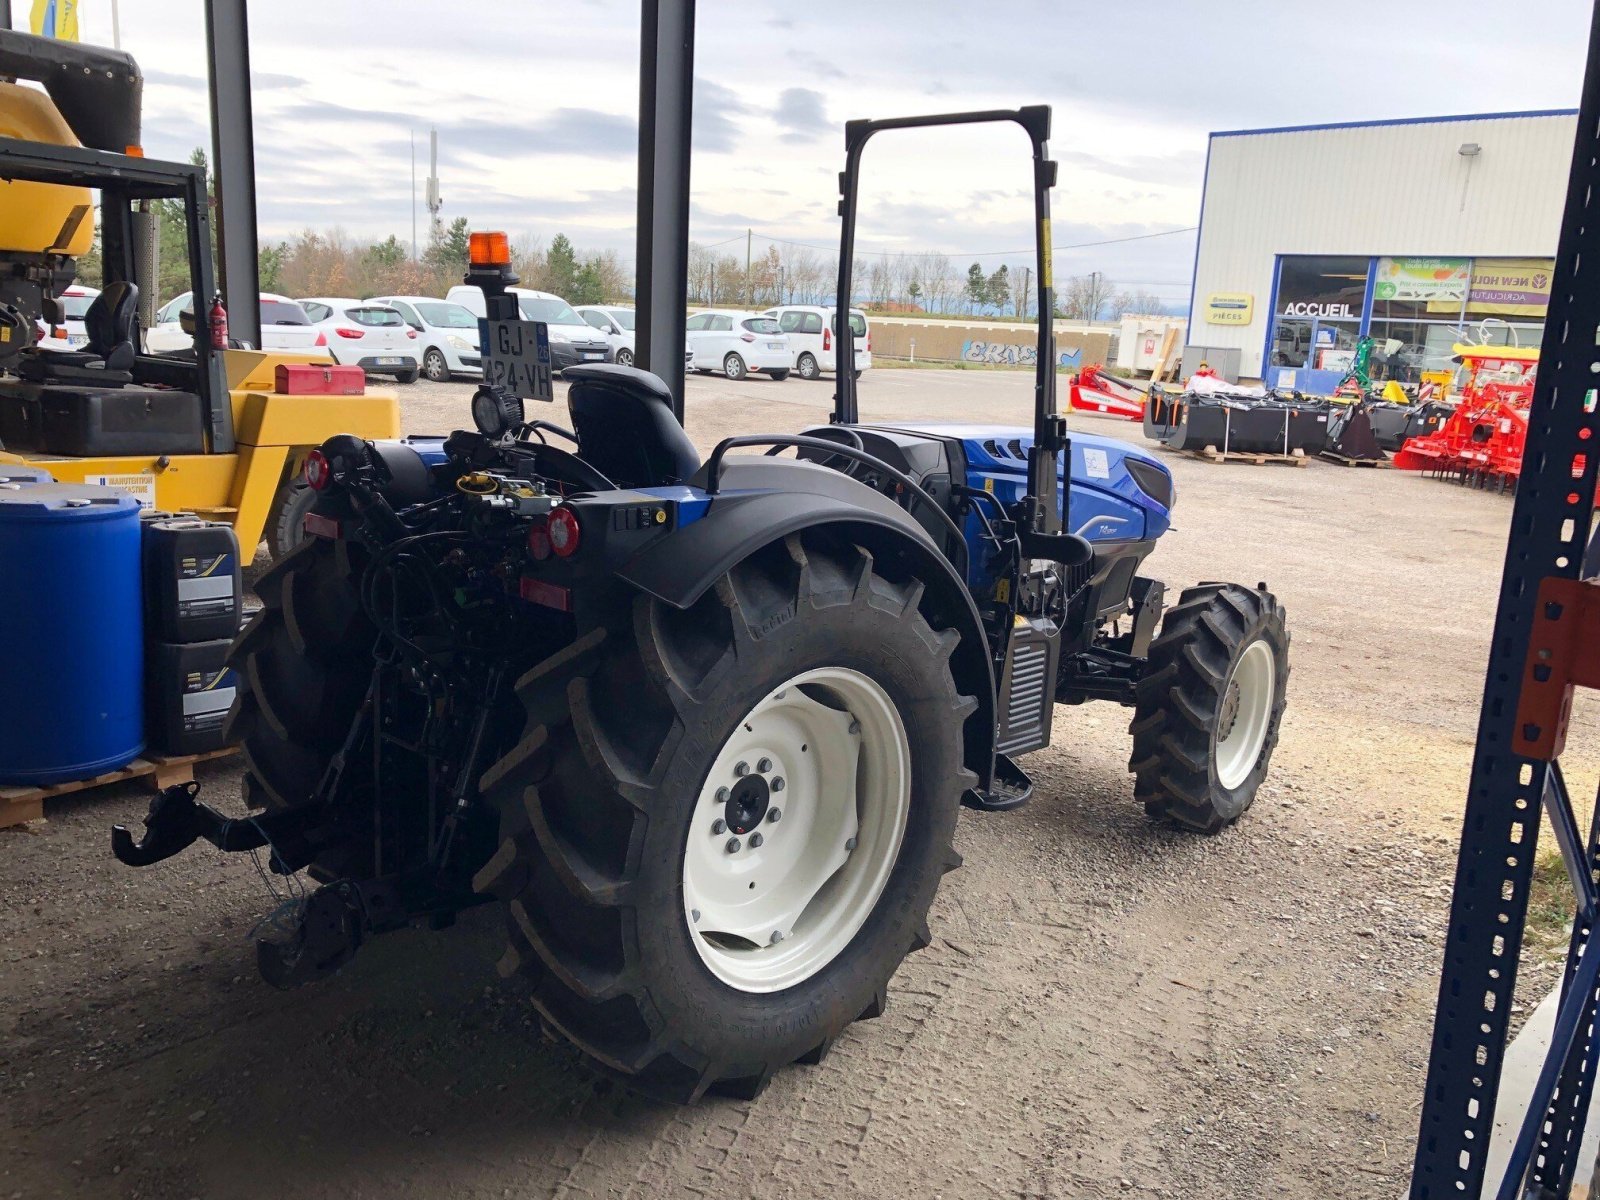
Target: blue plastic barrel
(15,474)
(71,632)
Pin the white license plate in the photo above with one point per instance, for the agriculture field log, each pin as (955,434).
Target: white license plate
(77,339)
(389,362)
(590,356)
(774,345)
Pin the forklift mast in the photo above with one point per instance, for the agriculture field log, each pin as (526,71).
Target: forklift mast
(1043,504)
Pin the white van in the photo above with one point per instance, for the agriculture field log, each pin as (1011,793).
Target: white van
(572,340)
(810,328)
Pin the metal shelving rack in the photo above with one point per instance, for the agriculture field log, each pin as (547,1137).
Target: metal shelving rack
(1546,641)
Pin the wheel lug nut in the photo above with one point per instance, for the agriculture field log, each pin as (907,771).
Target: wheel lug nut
(694,915)
(851,844)
(722,795)
(855,726)
(755,841)
(777,936)
(741,769)
(763,766)
(774,815)
(733,846)
(718,827)
(777,783)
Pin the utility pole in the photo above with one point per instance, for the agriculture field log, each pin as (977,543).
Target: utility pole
(413,195)
(1027,290)
(431,196)
(749,286)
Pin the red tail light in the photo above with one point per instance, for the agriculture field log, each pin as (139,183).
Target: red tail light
(869,341)
(564,532)
(322,339)
(349,333)
(318,471)
(747,337)
(539,540)
(412,334)
(827,339)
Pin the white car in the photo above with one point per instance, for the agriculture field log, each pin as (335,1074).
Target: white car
(613,324)
(571,338)
(737,343)
(371,336)
(70,334)
(617,325)
(448,334)
(284,326)
(811,331)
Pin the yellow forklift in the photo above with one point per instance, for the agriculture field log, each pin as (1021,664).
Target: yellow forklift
(201,430)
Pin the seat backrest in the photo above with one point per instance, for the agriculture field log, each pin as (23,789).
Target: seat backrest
(108,324)
(625,426)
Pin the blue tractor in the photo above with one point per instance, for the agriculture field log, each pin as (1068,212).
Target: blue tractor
(703,729)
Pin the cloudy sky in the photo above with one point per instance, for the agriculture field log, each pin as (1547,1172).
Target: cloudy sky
(535,105)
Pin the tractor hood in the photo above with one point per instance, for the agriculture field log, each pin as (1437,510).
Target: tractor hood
(1107,477)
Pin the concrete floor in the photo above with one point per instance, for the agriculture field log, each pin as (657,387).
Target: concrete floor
(1108,1008)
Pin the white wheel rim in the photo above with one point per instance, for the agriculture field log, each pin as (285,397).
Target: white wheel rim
(828,750)
(1245,714)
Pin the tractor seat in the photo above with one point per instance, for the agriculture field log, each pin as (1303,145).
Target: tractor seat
(108,361)
(625,425)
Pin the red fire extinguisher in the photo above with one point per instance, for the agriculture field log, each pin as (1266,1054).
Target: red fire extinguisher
(218,319)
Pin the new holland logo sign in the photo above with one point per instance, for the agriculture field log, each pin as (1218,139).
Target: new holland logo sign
(1230,308)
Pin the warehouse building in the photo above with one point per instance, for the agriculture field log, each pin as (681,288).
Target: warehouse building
(1420,232)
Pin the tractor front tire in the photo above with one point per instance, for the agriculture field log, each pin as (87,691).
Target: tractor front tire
(655,899)
(1208,710)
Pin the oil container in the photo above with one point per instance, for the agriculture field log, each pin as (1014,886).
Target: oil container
(191,580)
(71,647)
(188,690)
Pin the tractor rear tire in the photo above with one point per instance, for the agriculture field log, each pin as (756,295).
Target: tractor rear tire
(304,663)
(610,804)
(1208,710)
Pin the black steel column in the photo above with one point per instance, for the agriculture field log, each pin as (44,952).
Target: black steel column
(666,101)
(1549,523)
(233,167)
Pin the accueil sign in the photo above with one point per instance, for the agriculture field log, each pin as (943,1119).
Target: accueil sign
(1311,308)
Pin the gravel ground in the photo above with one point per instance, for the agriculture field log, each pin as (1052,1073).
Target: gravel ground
(1108,1008)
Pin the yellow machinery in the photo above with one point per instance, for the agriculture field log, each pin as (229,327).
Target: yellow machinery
(240,457)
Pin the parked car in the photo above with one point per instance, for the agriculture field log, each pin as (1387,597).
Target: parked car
(371,336)
(811,331)
(70,334)
(572,340)
(448,333)
(284,326)
(737,343)
(617,324)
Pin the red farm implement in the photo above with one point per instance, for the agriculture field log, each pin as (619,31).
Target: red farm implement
(1094,391)
(1481,442)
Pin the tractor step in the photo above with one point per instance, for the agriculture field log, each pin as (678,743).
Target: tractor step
(1011,788)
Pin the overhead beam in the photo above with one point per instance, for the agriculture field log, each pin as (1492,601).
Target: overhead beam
(233,167)
(666,101)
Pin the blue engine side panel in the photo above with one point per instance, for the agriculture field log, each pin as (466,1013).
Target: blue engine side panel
(1105,503)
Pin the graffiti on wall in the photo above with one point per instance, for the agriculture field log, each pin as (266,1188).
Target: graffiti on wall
(1010,354)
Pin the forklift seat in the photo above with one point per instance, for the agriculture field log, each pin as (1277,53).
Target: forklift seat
(626,427)
(108,361)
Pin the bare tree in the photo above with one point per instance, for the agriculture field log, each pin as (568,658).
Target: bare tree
(1137,301)
(1086,297)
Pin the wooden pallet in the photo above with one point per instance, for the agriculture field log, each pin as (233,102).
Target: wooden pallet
(19,804)
(1356,462)
(1212,454)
